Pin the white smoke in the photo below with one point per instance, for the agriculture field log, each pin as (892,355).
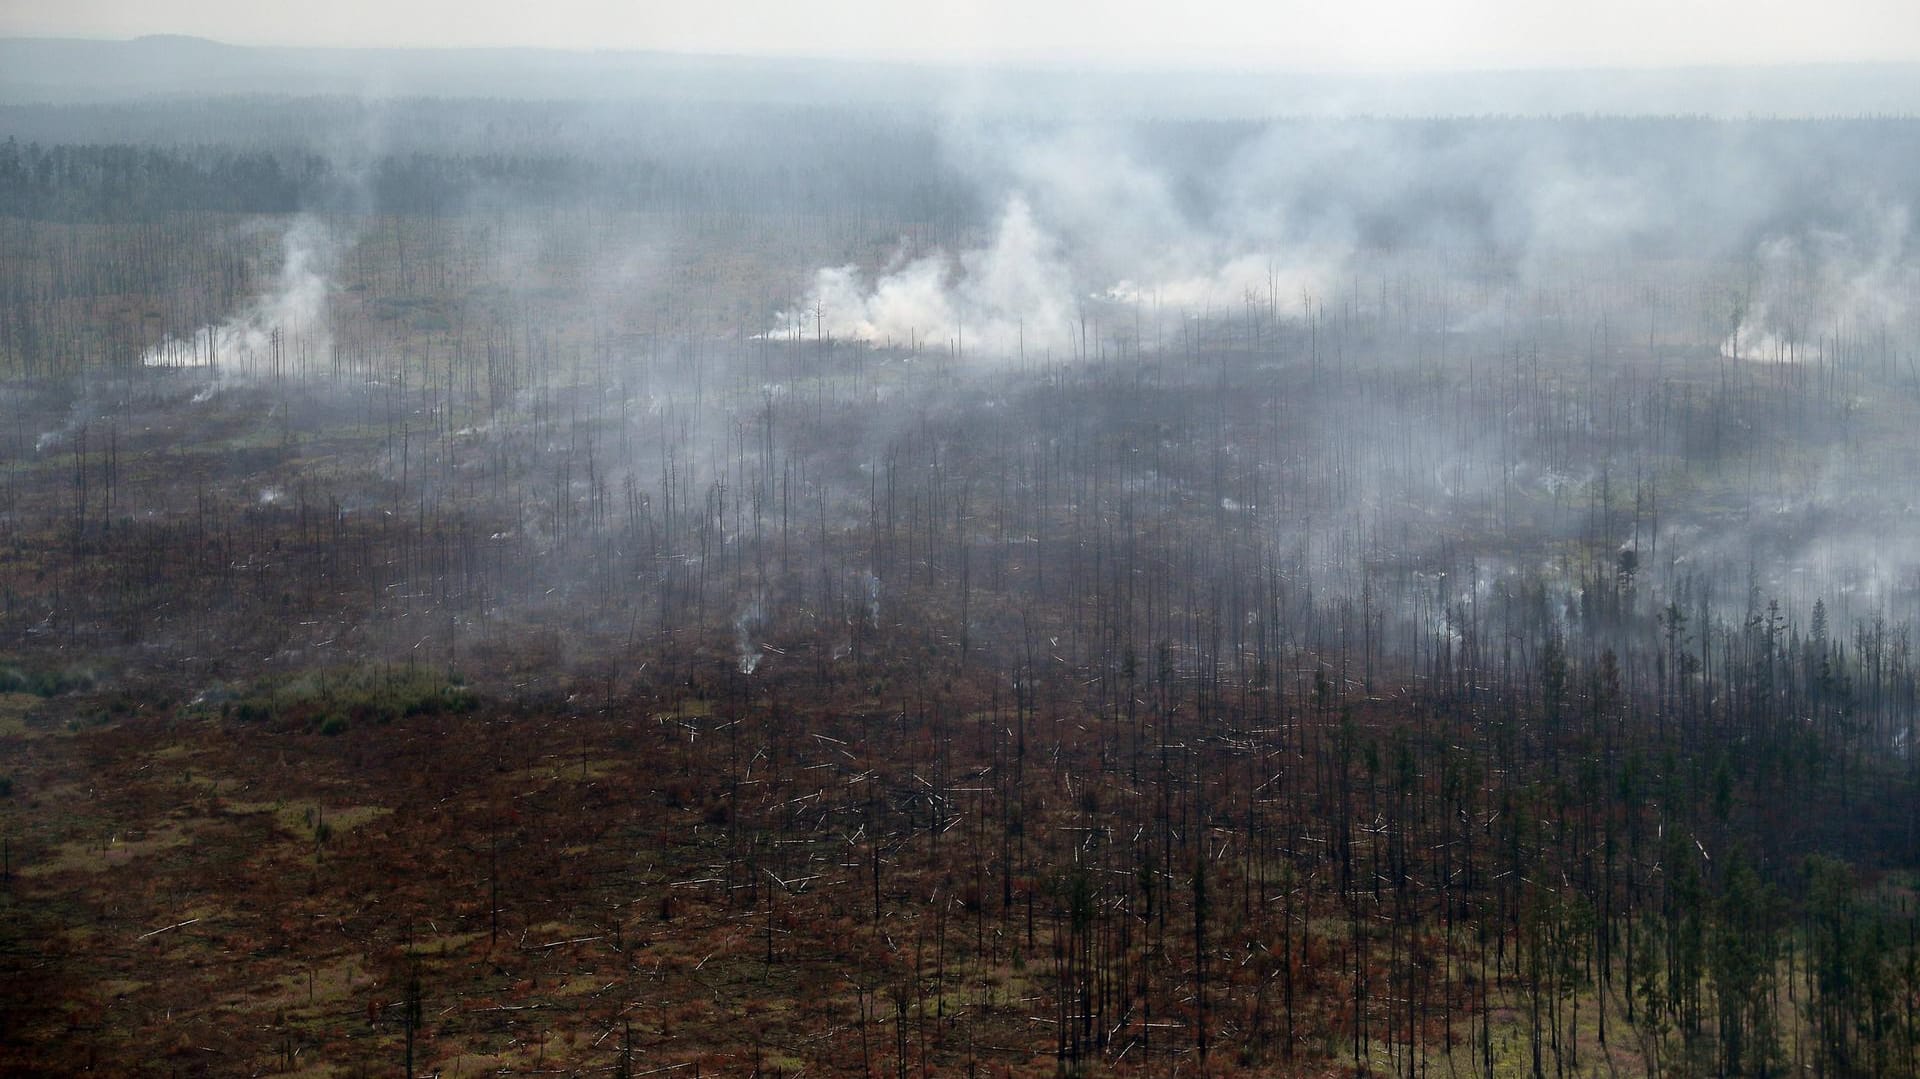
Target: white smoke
(1808,291)
(746,628)
(1020,293)
(1015,292)
(1085,222)
(288,321)
(1264,277)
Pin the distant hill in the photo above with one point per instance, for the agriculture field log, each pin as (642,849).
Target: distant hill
(56,70)
(62,70)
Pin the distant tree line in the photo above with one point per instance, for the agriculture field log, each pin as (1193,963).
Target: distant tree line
(131,183)
(112,183)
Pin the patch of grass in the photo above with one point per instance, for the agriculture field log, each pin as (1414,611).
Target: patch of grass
(14,710)
(1512,1045)
(334,701)
(445,943)
(307,820)
(782,1064)
(45,681)
(98,855)
(316,986)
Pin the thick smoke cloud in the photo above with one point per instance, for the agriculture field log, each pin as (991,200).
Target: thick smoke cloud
(288,321)
(1014,292)
(1808,292)
(1203,220)
(1083,222)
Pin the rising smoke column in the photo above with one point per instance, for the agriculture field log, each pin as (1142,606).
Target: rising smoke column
(1015,292)
(1084,222)
(1804,291)
(292,315)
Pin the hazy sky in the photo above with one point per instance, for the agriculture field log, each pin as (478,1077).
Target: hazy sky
(1367,34)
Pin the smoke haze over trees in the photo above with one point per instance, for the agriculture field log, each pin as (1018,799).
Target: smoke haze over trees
(979,571)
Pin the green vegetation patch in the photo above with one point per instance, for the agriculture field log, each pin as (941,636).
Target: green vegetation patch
(98,854)
(44,680)
(14,710)
(333,702)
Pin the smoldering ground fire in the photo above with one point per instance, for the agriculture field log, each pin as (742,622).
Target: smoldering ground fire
(973,587)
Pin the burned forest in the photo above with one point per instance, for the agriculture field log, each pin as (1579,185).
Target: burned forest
(696,583)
